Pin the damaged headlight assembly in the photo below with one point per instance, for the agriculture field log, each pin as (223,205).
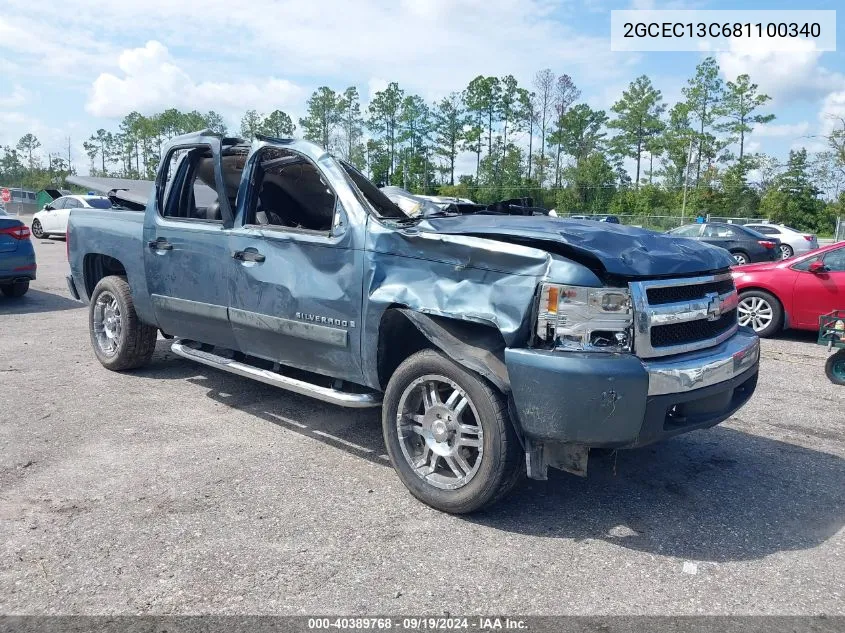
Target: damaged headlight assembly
(581,319)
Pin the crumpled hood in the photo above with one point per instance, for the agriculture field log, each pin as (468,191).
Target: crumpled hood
(621,250)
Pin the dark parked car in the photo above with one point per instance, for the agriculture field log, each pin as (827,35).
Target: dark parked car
(17,257)
(746,246)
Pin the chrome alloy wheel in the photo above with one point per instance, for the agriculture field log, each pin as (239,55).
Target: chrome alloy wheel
(755,312)
(439,432)
(107,322)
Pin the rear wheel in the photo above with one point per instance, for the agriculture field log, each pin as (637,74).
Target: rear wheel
(17,289)
(37,230)
(740,258)
(760,311)
(835,368)
(449,435)
(120,340)
(786,251)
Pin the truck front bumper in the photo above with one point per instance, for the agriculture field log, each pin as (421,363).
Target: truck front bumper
(620,401)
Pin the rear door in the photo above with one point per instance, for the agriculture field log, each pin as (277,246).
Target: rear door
(296,274)
(719,236)
(185,245)
(820,292)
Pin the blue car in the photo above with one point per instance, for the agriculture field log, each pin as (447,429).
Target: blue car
(17,257)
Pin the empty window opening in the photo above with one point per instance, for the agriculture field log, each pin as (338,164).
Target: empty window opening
(290,193)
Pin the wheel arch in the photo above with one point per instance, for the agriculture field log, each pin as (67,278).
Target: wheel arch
(95,266)
(478,347)
(768,291)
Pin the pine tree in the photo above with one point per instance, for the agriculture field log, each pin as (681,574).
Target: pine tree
(449,121)
(703,94)
(637,119)
(277,124)
(352,124)
(383,119)
(738,104)
(322,116)
(250,124)
(565,94)
(544,82)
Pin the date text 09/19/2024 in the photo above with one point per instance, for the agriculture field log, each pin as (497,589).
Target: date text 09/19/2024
(422,623)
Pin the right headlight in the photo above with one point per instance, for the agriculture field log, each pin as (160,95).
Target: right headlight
(585,319)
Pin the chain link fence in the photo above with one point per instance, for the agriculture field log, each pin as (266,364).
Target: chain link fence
(728,220)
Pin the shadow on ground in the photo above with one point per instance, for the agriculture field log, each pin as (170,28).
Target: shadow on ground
(36,301)
(713,495)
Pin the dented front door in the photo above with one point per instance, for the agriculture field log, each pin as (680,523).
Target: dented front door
(295,295)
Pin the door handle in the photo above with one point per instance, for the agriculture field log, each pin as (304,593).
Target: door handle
(160,244)
(248,256)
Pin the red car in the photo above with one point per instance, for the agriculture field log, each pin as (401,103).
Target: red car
(793,292)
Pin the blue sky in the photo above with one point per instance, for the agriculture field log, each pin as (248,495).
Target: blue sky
(65,71)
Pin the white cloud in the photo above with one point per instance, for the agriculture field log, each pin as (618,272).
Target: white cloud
(42,47)
(785,75)
(18,97)
(430,47)
(14,124)
(752,147)
(775,130)
(152,80)
(832,112)
(374,85)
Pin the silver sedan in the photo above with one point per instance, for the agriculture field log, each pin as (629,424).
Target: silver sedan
(792,242)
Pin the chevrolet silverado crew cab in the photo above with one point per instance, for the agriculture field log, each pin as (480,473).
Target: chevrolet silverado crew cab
(496,342)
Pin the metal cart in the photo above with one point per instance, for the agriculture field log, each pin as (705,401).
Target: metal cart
(832,334)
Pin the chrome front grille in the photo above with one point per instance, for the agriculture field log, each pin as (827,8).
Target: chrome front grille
(673,316)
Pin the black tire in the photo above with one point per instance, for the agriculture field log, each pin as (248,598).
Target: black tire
(776,324)
(502,461)
(135,342)
(740,258)
(834,368)
(38,231)
(15,290)
(786,251)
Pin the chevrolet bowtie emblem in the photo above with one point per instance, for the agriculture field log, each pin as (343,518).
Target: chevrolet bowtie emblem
(714,306)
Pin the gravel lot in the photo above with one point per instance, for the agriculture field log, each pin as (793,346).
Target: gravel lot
(179,489)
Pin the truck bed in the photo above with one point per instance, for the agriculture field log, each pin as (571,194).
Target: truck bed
(116,233)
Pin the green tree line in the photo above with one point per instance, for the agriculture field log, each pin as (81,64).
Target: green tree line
(539,140)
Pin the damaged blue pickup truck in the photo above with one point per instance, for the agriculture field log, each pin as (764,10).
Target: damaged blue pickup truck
(497,341)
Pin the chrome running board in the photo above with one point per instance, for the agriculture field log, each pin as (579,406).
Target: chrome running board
(326,394)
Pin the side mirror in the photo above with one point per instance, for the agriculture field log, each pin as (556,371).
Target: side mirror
(818,267)
(48,207)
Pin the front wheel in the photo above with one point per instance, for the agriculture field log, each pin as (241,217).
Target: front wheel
(760,311)
(37,230)
(835,368)
(120,340)
(448,434)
